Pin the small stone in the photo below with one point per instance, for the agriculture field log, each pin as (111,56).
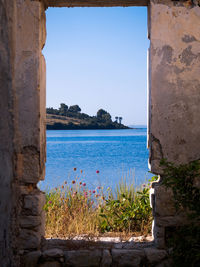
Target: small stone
(118,245)
(127,257)
(155,255)
(34,203)
(30,221)
(29,239)
(83,258)
(106,259)
(53,253)
(50,264)
(31,259)
(164,204)
(165,263)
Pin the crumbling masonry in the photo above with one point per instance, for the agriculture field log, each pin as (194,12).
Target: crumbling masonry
(173,132)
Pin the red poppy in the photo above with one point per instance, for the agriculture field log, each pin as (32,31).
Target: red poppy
(74,169)
(73,182)
(97,171)
(84,184)
(93,191)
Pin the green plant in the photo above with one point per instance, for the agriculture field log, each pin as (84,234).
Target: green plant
(127,210)
(182,180)
(185,241)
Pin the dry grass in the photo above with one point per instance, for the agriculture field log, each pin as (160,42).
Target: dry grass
(73,210)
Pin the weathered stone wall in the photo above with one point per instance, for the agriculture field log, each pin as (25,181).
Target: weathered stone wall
(174,99)
(173,130)
(7,50)
(22,127)
(66,253)
(30,121)
(175,81)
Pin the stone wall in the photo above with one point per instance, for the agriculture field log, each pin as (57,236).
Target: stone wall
(66,253)
(7,50)
(174,99)
(22,128)
(174,110)
(30,121)
(175,81)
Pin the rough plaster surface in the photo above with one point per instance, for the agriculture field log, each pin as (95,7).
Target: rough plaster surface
(175,82)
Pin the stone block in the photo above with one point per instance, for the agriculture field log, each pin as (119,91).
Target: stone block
(164,204)
(177,220)
(31,165)
(154,255)
(106,259)
(165,263)
(29,239)
(30,221)
(127,257)
(31,259)
(50,264)
(83,258)
(34,203)
(53,253)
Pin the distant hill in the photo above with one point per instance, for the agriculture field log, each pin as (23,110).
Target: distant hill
(71,118)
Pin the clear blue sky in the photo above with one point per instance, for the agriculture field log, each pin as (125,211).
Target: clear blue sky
(97,58)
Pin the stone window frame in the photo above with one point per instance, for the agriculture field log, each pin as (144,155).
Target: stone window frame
(174,66)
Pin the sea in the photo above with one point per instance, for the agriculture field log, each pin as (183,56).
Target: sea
(96,157)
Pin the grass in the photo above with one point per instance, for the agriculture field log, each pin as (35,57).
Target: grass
(72,209)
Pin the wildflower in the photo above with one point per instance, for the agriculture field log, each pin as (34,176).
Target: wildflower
(50,202)
(74,169)
(56,188)
(74,194)
(84,184)
(89,191)
(144,185)
(99,187)
(73,182)
(93,191)
(62,186)
(97,171)
(81,171)
(80,183)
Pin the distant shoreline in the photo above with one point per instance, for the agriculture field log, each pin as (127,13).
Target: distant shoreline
(58,122)
(60,126)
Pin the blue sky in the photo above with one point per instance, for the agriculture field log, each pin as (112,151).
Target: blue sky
(97,58)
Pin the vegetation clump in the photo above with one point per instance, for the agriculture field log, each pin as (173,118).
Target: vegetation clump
(74,209)
(184,180)
(71,118)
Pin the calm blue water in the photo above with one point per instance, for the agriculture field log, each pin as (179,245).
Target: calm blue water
(113,152)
